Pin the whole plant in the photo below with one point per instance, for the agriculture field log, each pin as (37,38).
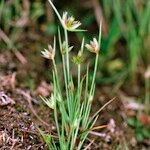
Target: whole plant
(71,108)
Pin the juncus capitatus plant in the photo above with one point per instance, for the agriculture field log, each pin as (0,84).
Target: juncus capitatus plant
(72,109)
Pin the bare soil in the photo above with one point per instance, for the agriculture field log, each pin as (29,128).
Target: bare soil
(21,110)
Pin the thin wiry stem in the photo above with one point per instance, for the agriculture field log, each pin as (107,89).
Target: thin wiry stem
(79,65)
(94,75)
(88,104)
(102,108)
(67,55)
(64,71)
(79,74)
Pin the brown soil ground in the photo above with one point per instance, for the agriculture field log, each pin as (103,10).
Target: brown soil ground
(21,111)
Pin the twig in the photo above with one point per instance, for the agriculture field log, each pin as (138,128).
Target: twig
(88,146)
(103,107)
(95,128)
(103,135)
(29,99)
(19,56)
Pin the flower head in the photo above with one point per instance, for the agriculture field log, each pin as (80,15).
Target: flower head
(93,46)
(50,53)
(50,102)
(78,59)
(63,48)
(69,23)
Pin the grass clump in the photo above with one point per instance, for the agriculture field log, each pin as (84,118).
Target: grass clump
(72,108)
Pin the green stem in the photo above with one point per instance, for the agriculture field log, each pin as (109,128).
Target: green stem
(79,75)
(56,74)
(55,108)
(94,75)
(70,104)
(66,85)
(88,105)
(64,70)
(56,121)
(67,55)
